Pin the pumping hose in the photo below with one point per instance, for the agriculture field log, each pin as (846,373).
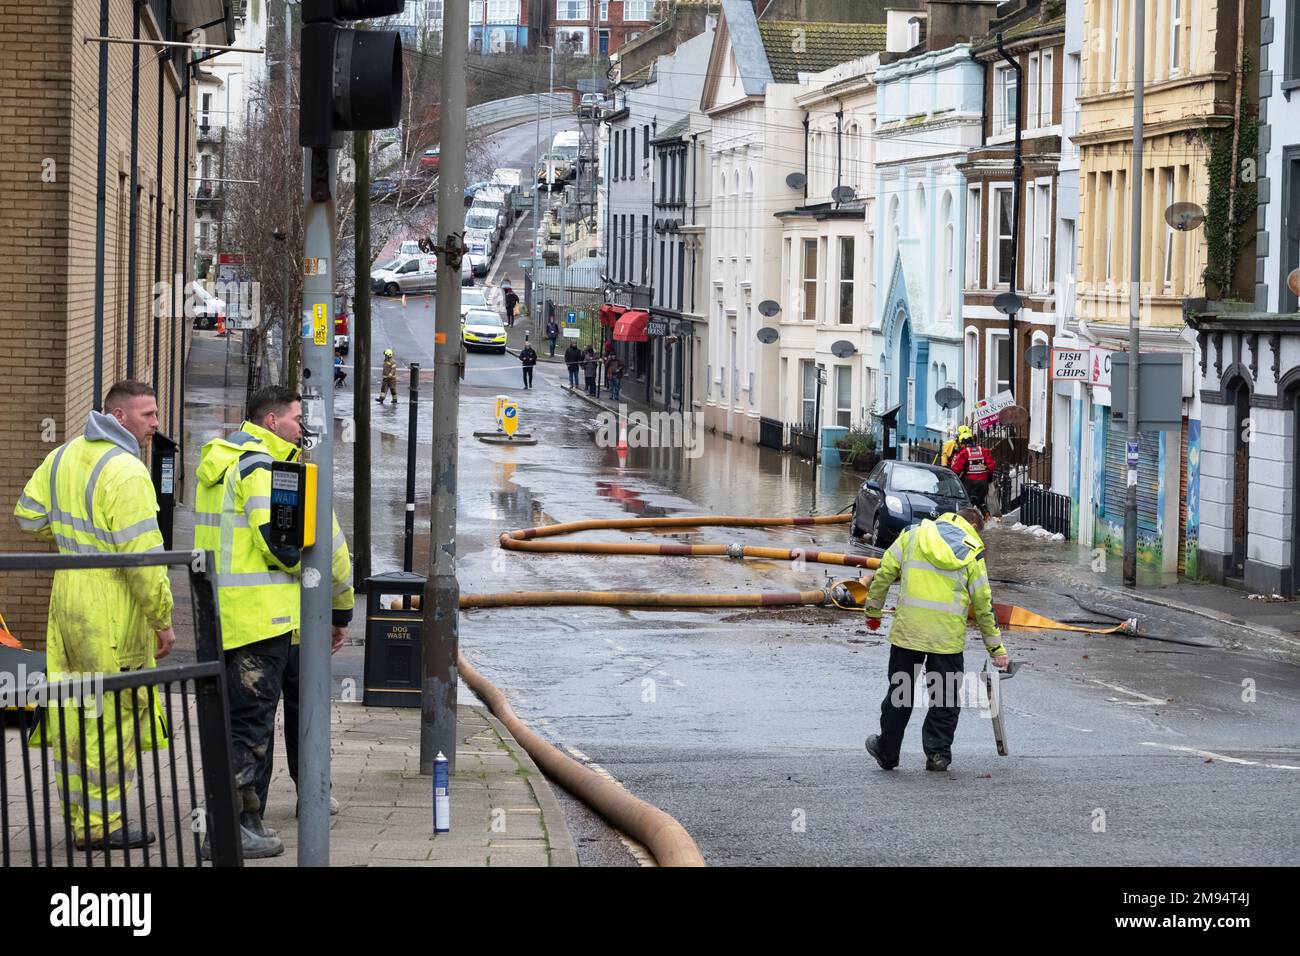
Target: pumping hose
(644,599)
(661,833)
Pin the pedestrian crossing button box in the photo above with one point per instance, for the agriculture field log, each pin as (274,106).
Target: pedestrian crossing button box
(293,504)
(393,633)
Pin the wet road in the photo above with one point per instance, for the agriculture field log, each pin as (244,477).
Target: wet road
(748,726)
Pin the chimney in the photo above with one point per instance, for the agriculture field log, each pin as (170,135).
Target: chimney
(904,29)
(957,21)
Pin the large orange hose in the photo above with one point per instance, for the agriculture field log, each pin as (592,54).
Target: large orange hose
(661,833)
(643,599)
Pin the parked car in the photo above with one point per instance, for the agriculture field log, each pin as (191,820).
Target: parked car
(205,307)
(481,227)
(472,190)
(430,158)
(590,106)
(409,274)
(382,188)
(483,329)
(899,494)
(471,266)
(494,199)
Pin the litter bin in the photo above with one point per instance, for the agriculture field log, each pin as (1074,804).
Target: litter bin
(393,625)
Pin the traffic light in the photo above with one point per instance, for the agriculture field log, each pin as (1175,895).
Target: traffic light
(351,79)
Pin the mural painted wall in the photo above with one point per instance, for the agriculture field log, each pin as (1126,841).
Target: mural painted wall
(1193,496)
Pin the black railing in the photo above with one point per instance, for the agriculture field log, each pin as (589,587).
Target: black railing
(83,746)
(771,433)
(803,439)
(1046,508)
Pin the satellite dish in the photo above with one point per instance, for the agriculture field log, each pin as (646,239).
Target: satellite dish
(796,180)
(1184,216)
(768,308)
(1293,281)
(1038,356)
(768,335)
(1013,415)
(949,398)
(843,194)
(1008,302)
(843,348)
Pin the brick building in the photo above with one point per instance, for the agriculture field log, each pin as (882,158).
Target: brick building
(601,27)
(78,311)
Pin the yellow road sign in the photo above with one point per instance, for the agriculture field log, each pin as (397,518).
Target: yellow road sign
(320,324)
(510,417)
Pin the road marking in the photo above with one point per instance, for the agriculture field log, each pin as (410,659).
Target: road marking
(1142,701)
(577,753)
(1222,758)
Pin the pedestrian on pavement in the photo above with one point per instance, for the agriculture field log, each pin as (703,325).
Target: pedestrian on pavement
(528,358)
(591,365)
(613,375)
(941,567)
(552,333)
(973,464)
(573,359)
(340,376)
(260,594)
(389,383)
(512,302)
(93,495)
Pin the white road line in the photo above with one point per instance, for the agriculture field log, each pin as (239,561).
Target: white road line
(1222,758)
(1142,701)
(577,753)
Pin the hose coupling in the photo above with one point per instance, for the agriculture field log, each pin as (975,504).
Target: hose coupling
(735,550)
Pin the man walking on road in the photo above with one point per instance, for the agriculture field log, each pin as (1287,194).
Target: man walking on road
(389,383)
(259,591)
(941,574)
(528,358)
(613,375)
(552,333)
(573,359)
(93,495)
(512,303)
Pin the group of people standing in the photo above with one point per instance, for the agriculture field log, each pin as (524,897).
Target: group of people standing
(589,364)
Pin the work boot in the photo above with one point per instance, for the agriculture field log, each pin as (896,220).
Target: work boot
(380,399)
(873,748)
(120,839)
(937,763)
(257,842)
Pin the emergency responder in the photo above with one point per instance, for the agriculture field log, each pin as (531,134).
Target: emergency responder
(389,383)
(258,589)
(940,568)
(949,449)
(973,464)
(93,495)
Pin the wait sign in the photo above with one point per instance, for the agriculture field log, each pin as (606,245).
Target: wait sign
(1070,365)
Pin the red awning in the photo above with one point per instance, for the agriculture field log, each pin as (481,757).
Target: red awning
(631,327)
(610,313)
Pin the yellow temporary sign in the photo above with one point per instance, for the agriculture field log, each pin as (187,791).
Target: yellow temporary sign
(510,417)
(320,324)
(501,401)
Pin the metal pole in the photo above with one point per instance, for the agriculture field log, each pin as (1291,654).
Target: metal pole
(441,630)
(97,396)
(1134,295)
(317,339)
(361,363)
(1017,174)
(131,243)
(412,435)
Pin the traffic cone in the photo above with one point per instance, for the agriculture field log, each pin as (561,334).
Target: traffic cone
(403,300)
(622,435)
(221,323)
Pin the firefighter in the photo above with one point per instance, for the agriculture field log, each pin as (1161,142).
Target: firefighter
(389,383)
(949,448)
(259,592)
(940,568)
(974,465)
(93,495)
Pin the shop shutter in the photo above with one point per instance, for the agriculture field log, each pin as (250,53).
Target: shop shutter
(1117,470)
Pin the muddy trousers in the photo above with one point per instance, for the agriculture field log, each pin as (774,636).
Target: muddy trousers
(254,680)
(907,671)
(290,694)
(386,388)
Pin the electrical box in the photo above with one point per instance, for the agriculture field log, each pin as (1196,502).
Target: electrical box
(293,504)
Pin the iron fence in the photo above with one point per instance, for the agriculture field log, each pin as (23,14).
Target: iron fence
(803,439)
(771,433)
(72,772)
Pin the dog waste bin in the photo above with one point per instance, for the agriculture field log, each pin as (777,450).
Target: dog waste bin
(393,623)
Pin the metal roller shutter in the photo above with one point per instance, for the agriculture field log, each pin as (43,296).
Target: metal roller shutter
(1117,470)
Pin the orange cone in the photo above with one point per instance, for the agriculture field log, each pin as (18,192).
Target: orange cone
(403,300)
(622,434)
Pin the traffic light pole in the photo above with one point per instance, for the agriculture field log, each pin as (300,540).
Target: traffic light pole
(1135,299)
(317,329)
(441,605)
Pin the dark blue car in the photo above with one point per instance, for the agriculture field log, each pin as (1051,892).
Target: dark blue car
(898,494)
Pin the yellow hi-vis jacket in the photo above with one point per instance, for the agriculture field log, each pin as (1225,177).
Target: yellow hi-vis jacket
(941,574)
(258,583)
(94,495)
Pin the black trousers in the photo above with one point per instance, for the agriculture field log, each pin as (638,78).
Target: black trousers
(979,493)
(528,376)
(907,670)
(290,690)
(254,681)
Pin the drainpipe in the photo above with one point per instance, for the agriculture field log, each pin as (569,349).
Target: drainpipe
(805,156)
(186,262)
(134,227)
(178,294)
(100,203)
(1017,172)
(157,304)
(839,129)
(1236,138)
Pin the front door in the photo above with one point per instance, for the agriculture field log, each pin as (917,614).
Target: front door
(1240,479)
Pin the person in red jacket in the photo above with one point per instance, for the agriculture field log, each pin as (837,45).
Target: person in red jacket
(974,465)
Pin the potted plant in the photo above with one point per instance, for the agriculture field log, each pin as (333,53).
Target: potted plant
(858,449)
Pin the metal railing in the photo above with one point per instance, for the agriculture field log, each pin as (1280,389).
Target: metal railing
(104,731)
